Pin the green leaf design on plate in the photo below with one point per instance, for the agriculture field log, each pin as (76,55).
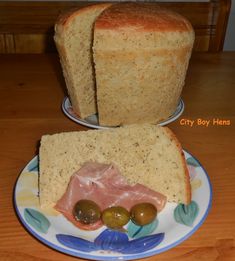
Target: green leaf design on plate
(37,220)
(135,231)
(193,162)
(186,214)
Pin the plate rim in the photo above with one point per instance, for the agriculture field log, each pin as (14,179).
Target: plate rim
(123,256)
(80,121)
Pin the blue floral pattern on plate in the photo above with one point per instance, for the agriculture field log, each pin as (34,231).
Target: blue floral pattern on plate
(172,226)
(111,240)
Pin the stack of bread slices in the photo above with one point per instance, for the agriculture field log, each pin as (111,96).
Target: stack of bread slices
(126,61)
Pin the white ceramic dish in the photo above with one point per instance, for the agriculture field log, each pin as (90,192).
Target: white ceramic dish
(173,225)
(92,121)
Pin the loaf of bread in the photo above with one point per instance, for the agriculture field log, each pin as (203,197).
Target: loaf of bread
(141,53)
(73,38)
(146,154)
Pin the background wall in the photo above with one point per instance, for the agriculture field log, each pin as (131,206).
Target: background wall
(229,44)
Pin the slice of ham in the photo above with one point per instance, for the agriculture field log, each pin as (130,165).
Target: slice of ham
(104,184)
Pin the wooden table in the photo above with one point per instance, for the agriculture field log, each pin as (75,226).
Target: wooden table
(31,91)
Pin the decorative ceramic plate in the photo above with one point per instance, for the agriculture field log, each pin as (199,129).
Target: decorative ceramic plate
(92,121)
(172,226)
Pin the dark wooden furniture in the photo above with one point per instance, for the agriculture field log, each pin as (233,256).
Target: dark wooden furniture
(27,27)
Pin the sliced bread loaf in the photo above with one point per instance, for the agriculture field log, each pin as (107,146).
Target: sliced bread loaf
(74,38)
(145,154)
(141,55)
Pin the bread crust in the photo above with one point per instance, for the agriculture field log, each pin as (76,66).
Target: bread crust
(142,17)
(188,191)
(65,18)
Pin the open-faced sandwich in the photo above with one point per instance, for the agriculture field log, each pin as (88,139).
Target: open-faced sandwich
(105,169)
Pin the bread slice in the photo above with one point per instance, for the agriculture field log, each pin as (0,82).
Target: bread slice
(146,154)
(74,38)
(141,55)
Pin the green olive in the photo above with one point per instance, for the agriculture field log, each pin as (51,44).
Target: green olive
(143,213)
(115,217)
(86,211)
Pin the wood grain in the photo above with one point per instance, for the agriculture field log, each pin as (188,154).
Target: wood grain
(28,27)
(31,92)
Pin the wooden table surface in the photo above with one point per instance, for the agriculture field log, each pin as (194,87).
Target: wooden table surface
(31,91)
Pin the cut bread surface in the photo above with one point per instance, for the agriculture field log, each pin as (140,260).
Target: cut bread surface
(74,38)
(145,154)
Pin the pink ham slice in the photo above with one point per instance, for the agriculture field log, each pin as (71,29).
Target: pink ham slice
(104,184)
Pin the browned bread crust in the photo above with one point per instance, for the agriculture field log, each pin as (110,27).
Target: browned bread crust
(143,17)
(66,17)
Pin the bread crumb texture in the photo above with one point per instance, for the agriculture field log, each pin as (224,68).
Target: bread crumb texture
(145,154)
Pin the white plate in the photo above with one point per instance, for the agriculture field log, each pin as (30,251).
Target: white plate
(173,225)
(92,121)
